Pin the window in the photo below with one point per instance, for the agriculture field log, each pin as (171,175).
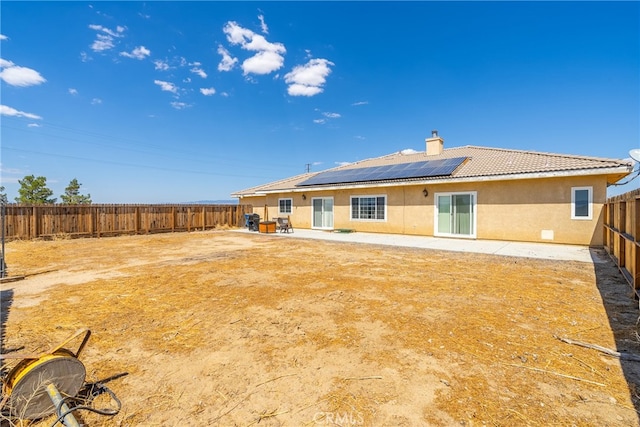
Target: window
(369,207)
(284,206)
(581,203)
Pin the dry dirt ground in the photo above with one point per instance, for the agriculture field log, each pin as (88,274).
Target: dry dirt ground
(221,328)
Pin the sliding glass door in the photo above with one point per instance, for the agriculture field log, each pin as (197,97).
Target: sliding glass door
(455,214)
(322,213)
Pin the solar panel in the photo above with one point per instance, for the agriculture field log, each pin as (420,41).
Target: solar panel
(424,169)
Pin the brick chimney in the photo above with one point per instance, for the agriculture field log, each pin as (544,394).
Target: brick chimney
(435,144)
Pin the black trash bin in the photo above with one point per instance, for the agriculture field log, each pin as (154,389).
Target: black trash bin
(254,222)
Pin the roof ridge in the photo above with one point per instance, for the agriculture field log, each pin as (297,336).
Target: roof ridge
(539,153)
(360,161)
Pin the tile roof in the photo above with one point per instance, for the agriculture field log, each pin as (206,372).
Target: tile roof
(482,163)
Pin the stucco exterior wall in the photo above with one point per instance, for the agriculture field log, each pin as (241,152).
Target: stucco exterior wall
(534,210)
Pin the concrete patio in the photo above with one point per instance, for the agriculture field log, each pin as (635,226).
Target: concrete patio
(496,247)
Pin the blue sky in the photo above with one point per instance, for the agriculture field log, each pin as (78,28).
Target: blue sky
(160,102)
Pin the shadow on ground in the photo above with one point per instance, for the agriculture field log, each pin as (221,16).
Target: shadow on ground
(6,299)
(622,311)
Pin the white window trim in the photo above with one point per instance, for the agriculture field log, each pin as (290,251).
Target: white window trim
(475,215)
(332,212)
(573,203)
(285,213)
(366,219)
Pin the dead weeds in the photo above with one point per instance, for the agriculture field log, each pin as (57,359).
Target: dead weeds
(224,328)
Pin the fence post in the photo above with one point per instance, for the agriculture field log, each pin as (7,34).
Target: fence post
(635,248)
(622,241)
(137,220)
(34,226)
(91,216)
(3,213)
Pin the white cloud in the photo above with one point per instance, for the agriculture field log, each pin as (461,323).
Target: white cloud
(96,101)
(8,111)
(73,91)
(357,104)
(84,57)
(33,125)
(408,151)
(19,76)
(228,62)
(302,90)
(207,91)
(117,33)
(7,173)
(262,63)
(308,79)
(13,171)
(263,25)
(139,52)
(3,37)
(199,71)
(269,56)
(166,86)
(105,37)
(179,105)
(161,65)
(102,42)
(328,115)
(342,163)
(259,43)
(236,34)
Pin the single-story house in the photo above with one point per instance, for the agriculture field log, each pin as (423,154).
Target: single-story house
(462,192)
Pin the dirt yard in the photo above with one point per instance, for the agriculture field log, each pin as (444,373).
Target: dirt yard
(223,328)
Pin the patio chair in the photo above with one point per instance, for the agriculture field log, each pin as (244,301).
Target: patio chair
(284,225)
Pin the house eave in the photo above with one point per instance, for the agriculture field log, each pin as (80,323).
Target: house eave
(620,172)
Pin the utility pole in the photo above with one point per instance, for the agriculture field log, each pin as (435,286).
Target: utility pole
(308,167)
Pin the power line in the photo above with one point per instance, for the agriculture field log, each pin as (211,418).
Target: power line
(133,164)
(197,156)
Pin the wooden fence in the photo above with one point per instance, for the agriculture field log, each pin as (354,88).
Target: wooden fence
(47,221)
(622,235)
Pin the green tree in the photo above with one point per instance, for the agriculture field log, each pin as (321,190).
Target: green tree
(3,196)
(72,195)
(34,191)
